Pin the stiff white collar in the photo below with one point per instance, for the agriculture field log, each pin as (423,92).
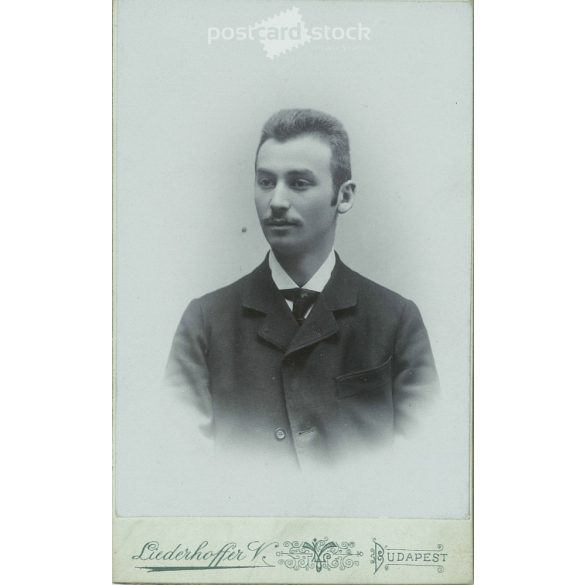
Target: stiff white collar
(317,282)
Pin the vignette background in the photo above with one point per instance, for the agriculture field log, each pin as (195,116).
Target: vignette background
(188,117)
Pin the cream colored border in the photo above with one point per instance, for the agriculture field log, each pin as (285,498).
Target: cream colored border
(423,551)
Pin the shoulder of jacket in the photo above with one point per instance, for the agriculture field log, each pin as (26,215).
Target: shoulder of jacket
(228,294)
(372,290)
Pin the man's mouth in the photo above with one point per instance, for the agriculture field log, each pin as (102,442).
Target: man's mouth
(276,222)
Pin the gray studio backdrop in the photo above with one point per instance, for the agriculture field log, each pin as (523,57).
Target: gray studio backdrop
(188,117)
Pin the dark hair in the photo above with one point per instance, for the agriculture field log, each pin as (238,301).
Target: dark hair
(287,124)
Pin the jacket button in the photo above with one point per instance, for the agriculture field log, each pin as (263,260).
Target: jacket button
(280,434)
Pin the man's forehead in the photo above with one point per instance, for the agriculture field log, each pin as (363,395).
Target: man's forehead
(305,151)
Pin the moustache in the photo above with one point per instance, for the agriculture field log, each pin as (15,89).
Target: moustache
(279,221)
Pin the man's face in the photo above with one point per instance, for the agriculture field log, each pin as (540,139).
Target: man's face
(294,191)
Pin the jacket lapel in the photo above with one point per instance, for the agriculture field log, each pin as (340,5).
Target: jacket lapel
(341,292)
(279,327)
(319,325)
(260,294)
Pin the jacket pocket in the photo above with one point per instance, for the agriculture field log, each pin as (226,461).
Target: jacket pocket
(354,383)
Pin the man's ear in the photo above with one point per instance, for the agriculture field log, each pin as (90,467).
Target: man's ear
(345,196)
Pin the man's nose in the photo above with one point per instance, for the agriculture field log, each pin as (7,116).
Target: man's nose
(280,200)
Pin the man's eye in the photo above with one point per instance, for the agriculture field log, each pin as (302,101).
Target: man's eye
(300,184)
(265,183)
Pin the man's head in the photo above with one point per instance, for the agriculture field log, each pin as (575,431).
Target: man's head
(303,179)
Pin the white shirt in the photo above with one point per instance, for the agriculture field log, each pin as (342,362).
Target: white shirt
(317,282)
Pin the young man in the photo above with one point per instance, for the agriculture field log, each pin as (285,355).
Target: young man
(303,358)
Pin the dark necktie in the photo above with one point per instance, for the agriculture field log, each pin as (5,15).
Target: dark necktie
(302,299)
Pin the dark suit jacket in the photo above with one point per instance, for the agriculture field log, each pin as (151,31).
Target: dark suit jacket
(352,375)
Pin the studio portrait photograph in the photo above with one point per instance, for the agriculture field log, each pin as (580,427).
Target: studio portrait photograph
(293,259)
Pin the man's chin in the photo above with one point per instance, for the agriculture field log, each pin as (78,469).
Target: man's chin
(283,244)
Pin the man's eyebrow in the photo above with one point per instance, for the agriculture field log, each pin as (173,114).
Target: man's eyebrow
(291,173)
(265,171)
(307,172)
